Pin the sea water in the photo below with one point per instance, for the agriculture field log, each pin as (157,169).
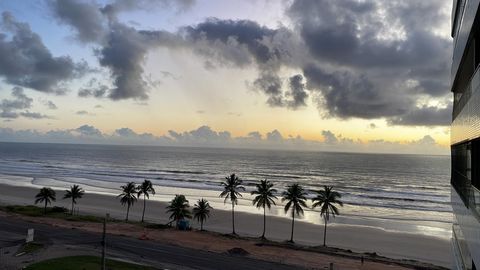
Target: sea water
(408,193)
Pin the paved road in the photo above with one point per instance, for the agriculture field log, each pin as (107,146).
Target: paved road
(153,252)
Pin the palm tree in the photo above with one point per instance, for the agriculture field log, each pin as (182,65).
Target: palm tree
(128,196)
(231,190)
(201,211)
(145,189)
(179,208)
(295,197)
(75,192)
(46,195)
(326,200)
(265,198)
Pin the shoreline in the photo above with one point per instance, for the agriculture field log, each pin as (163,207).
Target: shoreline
(398,245)
(391,219)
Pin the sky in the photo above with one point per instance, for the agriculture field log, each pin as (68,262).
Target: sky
(344,75)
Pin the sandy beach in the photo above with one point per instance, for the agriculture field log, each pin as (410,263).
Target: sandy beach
(356,238)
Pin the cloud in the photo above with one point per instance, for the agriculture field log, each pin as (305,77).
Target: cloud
(271,85)
(205,136)
(349,95)
(274,136)
(297,92)
(51,105)
(329,137)
(84,18)
(18,106)
(425,116)
(34,115)
(88,131)
(355,64)
(121,49)
(93,88)
(9,107)
(111,10)
(83,112)
(27,62)
(356,59)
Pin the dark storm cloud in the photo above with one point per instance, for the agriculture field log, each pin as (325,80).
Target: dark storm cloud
(122,49)
(124,54)
(425,116)
(240,37)
(243,43)
(349,95)
(347,32)
(271,85)
(25,61)
(297,92)
(363,72)
(83,17)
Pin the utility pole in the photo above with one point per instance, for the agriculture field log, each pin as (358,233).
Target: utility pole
(104,243)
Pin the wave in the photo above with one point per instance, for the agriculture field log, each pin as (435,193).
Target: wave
(177,171)
(401,199)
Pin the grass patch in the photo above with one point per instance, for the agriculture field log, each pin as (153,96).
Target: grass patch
(29,248)
(52,212)
(84,263)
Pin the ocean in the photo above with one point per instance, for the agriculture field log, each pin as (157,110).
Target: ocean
(407,193)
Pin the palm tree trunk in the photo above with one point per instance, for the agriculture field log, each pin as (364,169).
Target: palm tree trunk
(128,210)
(264,221)
(201,225)
(72,207)
(325,233)
(144,204)
(293,225)
(233,217)
(45,209)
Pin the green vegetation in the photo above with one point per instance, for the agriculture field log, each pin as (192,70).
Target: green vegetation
(231,190)
(75,192)
(128,196)
(178,209)
(326,200)
(53,212)
(295,196)
(45,195)
(145,189)
(265,195)
(29,248)
(84,263)
(201,211)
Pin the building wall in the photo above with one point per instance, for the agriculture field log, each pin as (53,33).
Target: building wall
(466,126)
(469,225)
(461,38)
